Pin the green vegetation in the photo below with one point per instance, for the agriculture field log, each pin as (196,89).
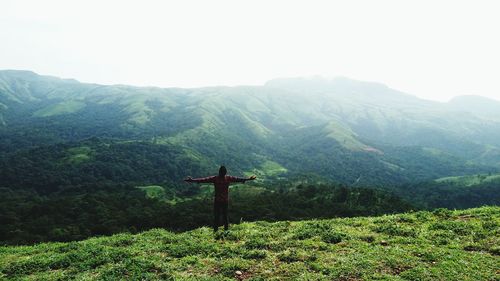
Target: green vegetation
(344,136)
(468,181)
(342,130)
(82,211)
(64,167)
(78,155)
(267,169)
(453,192)
(153,191)
(272,168)
(62,108)
(439,245)
(137,108)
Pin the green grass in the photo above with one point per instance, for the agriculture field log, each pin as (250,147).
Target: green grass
(136,107)
(153,191)
(345,136)
(272,168)
(470,180)
(65,107)
(267,169)
(78,155)
(439,245)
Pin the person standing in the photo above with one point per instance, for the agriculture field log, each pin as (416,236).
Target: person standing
(221,184)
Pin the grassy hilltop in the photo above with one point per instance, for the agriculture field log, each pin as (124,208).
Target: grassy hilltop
(438,245)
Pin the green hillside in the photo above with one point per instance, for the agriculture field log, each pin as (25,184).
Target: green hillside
(438,245)
(470,180)
(340,129)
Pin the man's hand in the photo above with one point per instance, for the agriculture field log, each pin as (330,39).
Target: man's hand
(189,179)
(251,178)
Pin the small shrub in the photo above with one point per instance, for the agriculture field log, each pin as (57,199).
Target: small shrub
(495,250)
(190,260)
(396,230)
(441,237)
(289,256)
(190,247)
(368,238)
(333,237)
(180,250)
(305,233)
(293,255)
(406,218)
(229,266)
(459,228)
(121,242)
(473,247)
(59,262)
(478,236)
(255,254)
(427,255)
(24,267)
(70,246)
(442,213)
(423,216)
(490,225)
(311,229)
(256,243)
(383,220)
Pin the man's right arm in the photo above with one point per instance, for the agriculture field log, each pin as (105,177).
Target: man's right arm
(201,180)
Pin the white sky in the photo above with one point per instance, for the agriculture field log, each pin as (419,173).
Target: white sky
(432,49)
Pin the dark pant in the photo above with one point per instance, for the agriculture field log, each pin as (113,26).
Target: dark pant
(220,208)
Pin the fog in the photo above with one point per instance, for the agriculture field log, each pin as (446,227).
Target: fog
(435,50)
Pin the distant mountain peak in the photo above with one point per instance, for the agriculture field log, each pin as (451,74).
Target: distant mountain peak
(31,75)
(478,105)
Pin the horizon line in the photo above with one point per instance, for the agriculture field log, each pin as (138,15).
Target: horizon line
(309,77)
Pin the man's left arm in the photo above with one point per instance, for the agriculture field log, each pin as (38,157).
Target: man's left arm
(243,180)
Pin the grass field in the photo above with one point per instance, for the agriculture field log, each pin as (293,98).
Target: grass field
(439,245)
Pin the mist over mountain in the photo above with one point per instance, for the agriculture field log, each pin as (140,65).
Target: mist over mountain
(481,106)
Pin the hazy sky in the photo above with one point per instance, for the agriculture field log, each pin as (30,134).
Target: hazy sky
(432,49)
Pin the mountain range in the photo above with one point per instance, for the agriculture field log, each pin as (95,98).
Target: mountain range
(348,131)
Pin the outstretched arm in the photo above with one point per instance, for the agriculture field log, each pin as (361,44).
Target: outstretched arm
(243,180)
(200,180)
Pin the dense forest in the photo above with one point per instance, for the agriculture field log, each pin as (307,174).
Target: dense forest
(453,195)
(91,210)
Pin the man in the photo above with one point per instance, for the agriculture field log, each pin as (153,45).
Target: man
(221,184)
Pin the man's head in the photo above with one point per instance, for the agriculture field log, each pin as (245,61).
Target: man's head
(222,171)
